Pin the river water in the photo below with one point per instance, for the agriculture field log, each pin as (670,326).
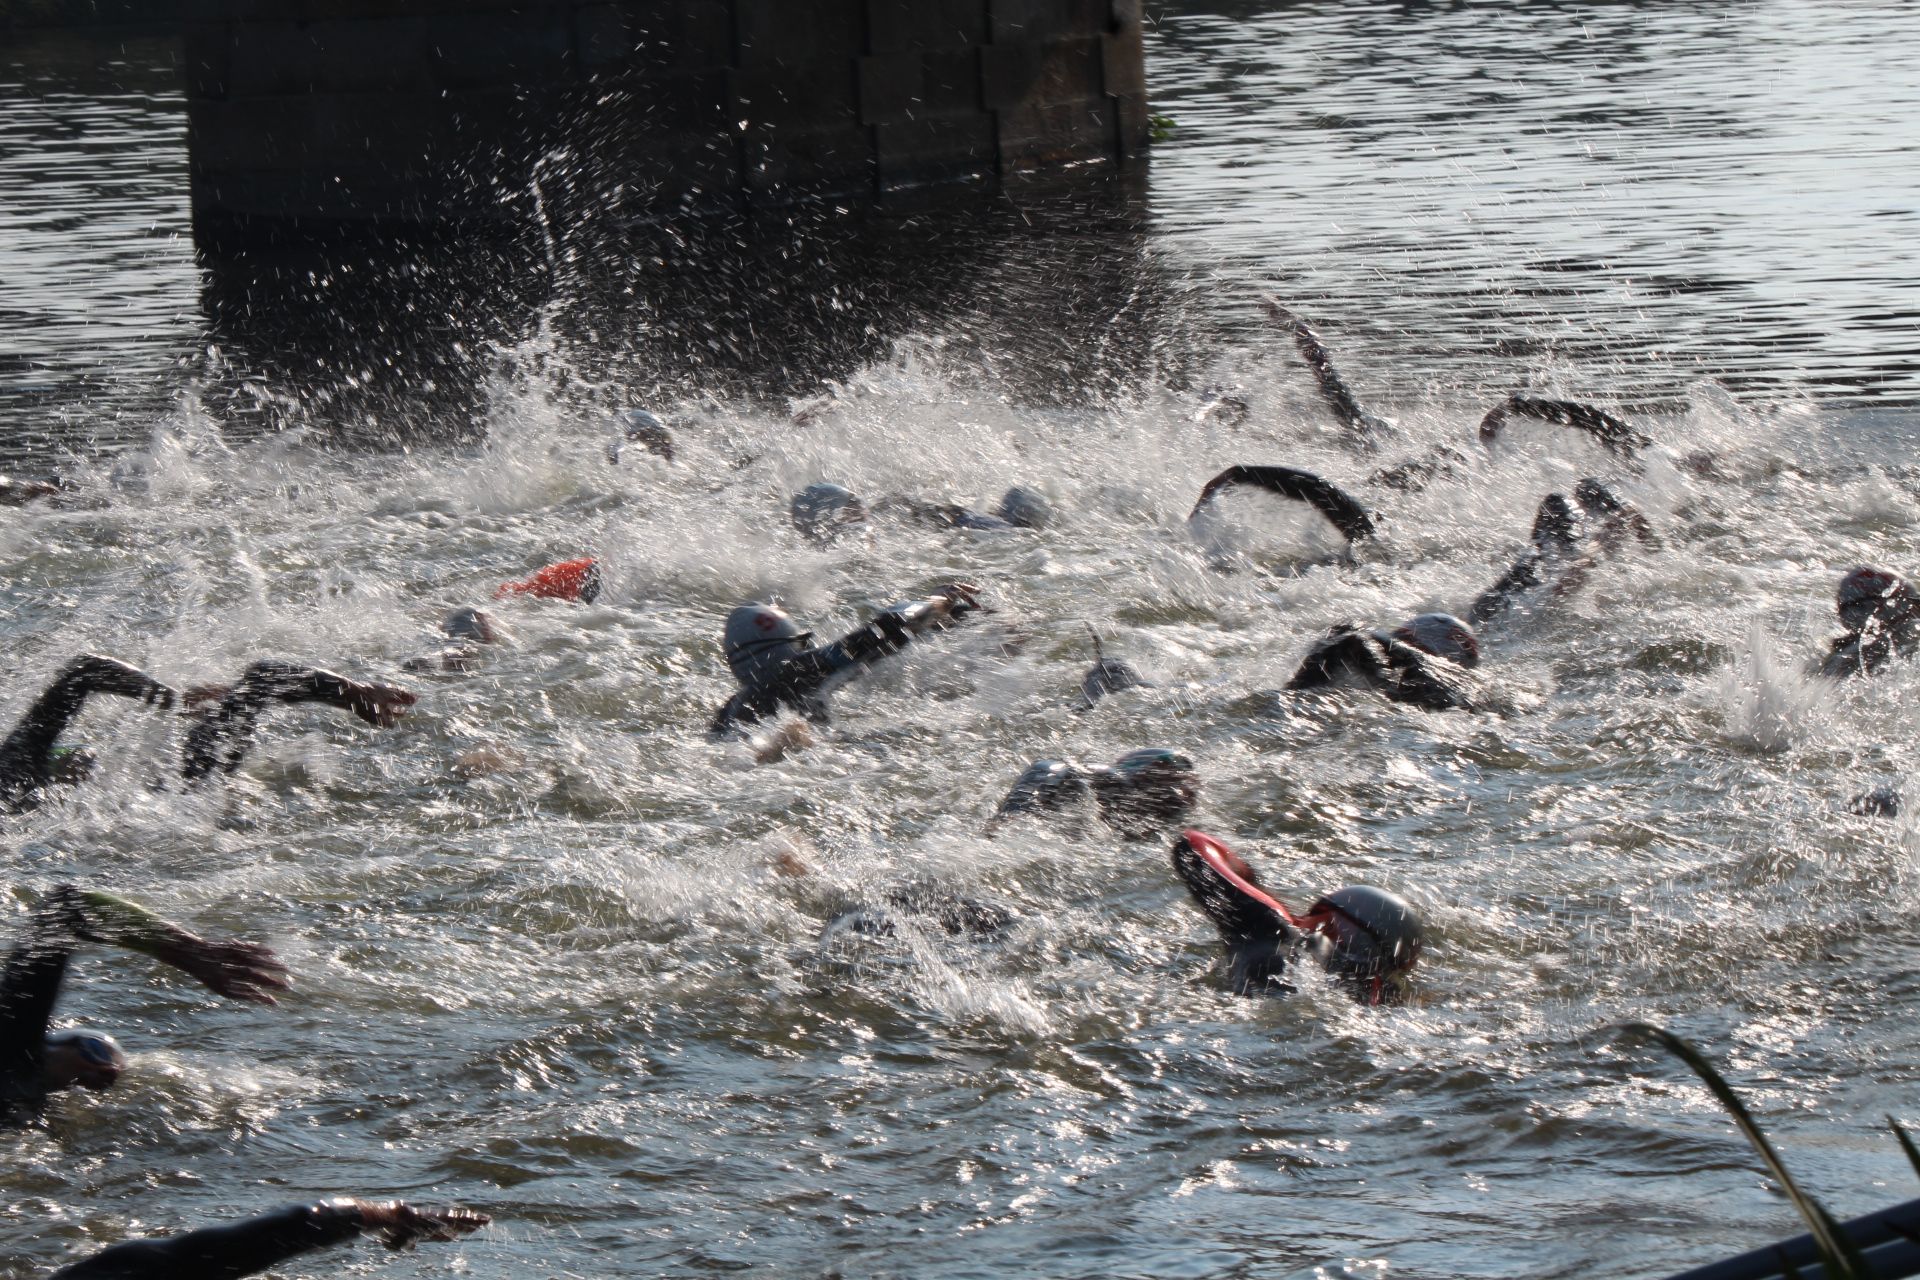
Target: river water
(573,989)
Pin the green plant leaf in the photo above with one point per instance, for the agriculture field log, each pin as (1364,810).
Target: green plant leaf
(1837,1254)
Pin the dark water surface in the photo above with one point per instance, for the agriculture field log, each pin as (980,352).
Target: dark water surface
(574,991)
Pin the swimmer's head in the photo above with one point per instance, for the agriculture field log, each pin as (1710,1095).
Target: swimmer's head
(1443,636)
(641,427)
(88,1059)
(1868,594)
(1109,675)
(70,766)
(1374,936)
(1043,785)
(1147,789)
(1024,509)
(758,638)
(822,512)
(472,624)
(1554,524)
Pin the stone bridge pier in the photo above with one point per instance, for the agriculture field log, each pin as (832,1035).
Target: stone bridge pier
(309,119)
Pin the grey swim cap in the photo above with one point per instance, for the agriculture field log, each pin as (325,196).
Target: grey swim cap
(1375,934)
(641,427)
(96,1058)
(1025,509)
(822,511)
(470,624)
(758,638)
(1443,636)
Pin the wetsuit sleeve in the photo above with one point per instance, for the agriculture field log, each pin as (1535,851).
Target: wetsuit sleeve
(1333,388)
(1422,680)
(25,755)
(1044,785)
(1239,918)
(222,1253)
(220,741)
(1343,651)
(1610,431)
(29,990)
(1523,576)
(1338,506)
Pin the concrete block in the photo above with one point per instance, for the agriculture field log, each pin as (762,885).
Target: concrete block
(206,55)
(786,33)
(891,86)
(688,35)
(901,26)
(1123,64)
(913,153)
(950,82)
(1007,74)
(271,58)
(799,162)
(601,39)
(484,50)
(796,97)
(1047,136)
(1049,19)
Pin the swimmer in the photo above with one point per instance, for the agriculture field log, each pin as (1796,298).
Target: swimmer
(31,760)
(1107,676)
(779,668)
(1364,429)
(1425,662)
(472,630)
(1339,507)
(638,426)
(577,581)
(1369,940)
(250,1247)
(1140,795)
(35,1061)
(825,513)
(1881,802)
(1881,614)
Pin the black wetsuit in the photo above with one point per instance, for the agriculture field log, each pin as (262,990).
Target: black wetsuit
(1051,786)
(29,990)
(1339,507)
(1867,650)
(1400,671)
(26,756)
(1365,428)
(1260,942)
(801,683)
(221,1253)
(216,744)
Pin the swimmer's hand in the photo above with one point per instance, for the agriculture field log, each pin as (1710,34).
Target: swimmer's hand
(955,600)
(401,1226)
(109,675)
(795,735)
(237,970)
(380,705)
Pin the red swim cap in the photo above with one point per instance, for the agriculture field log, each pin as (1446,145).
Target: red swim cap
(569,580)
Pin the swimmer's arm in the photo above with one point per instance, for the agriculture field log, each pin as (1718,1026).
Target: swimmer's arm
(247,1248)
(29,990)
(30,745)
(1344,650)
(17,493)
(1339,507)
(237,970)
(220,739)
(377,704)
(1333,389)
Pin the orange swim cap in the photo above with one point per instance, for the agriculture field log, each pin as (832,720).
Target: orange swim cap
(569,580)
